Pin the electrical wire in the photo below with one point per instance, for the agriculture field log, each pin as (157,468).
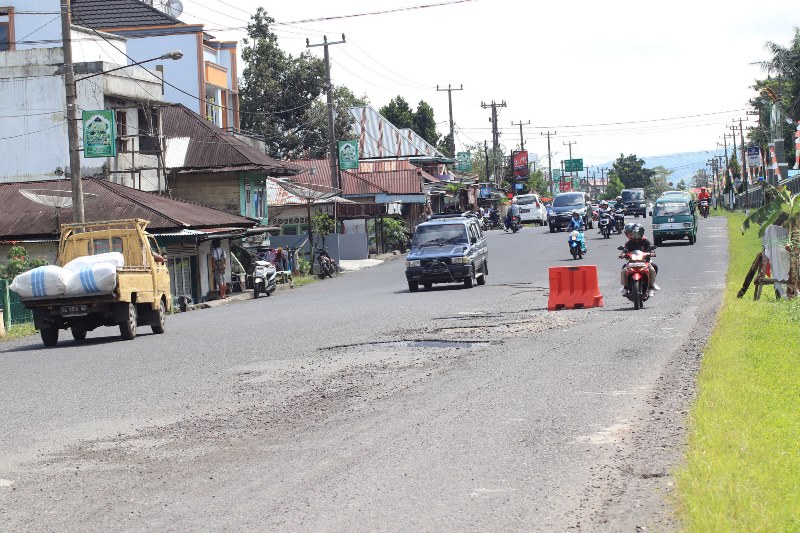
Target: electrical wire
(56,125)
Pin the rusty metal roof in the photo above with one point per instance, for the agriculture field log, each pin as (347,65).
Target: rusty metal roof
(378,138)
(22,217)
(196,145)
(373,177)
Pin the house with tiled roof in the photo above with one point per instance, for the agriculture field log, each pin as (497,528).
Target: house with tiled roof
(33,212)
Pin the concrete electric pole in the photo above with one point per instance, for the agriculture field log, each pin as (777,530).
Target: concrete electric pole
(329,90)
(521,138)
(495,134)
(549,159)
(72,114)
(450,103)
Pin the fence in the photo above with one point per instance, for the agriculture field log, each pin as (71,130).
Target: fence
(754,197)
(13,310)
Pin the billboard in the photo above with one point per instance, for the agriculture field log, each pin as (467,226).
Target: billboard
(348,155)
(520,160)
(463,162)
(753,156)
(99,133)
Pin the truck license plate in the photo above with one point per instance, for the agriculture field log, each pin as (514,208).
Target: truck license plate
(74,310)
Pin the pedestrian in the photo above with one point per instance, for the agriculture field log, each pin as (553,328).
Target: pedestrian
(219,260)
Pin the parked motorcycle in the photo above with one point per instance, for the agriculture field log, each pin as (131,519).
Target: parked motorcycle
(637,275)
(577,244)
(619,220)
(493,222)
(264,278)
(327,266)
(704,207)
(514,224)
(605,223)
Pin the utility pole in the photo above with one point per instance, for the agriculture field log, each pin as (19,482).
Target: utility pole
(569,143)
(495,133)
(586,169)
(486,155)
(521,138)
(549,160)
(745,177)
(72,114)
(334,161)
(603,181)
(450,102)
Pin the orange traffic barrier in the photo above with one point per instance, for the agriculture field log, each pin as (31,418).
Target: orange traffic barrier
(574,287)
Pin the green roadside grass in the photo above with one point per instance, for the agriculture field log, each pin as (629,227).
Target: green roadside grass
(17,331)
(742,468)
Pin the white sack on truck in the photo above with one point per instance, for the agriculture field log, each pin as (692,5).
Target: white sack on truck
(91,279)
(115,258)
(41,282)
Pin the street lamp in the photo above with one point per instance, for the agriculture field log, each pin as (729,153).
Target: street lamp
(174,55)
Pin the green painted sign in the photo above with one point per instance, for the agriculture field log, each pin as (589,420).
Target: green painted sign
(573,165)
(99,133)
(348,155)
(463,162)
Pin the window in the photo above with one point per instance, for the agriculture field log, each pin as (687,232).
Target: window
(103,246)
(180,274)
(259,199)
(5,36)
(148,136)
(122,130)
(289,230)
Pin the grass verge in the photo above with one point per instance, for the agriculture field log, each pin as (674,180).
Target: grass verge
(19,330)
(299,281)
(742,469)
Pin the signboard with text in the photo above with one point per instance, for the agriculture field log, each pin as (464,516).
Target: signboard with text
(348,155)
(463,162)
(99,133)
(520,160)
(573,165)
(753,156)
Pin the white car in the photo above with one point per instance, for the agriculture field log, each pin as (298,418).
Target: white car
(532,209)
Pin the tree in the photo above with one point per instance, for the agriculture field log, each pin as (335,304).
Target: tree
(631,172)
(613,188)
(444,145)
(316,140)
(394,233)
(322,225)
(18,262)
(781,204)
(478,157)
(735,169)
(701,178)
(425,124)
(277,89)
(659,182)
(399,113)
(537,183)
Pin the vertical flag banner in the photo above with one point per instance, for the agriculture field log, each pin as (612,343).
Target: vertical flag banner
(348,155)
(520,160)
(99,133)
(463,162)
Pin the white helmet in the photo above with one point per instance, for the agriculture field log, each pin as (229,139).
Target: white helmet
(514,200)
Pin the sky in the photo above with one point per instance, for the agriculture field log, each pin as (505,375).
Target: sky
(616,77)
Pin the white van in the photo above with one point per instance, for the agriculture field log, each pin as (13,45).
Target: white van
(532,209)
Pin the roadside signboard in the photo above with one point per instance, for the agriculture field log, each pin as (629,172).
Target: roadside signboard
(348,155)
(520,160)
(99,133)
(519,186)
(753,156)
(573,165)
(463,162)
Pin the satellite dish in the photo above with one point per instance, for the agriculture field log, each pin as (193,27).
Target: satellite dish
(173,8)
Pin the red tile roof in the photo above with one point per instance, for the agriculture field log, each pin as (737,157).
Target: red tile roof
(22,217)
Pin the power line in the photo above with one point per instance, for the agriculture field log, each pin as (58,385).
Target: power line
(382,12)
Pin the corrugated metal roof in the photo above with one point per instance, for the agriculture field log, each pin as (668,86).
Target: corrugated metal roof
(378,138)
(211,147)
(372,177)
(22,217)
(118,14)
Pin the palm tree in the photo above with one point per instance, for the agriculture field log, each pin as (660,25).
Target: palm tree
(781,202)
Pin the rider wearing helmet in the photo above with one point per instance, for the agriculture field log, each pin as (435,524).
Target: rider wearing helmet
(619,205)
(603,209)
(637,241)
(576,224)
(704,194)
(512,211)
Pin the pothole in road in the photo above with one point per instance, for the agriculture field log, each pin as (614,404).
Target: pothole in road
(422,343)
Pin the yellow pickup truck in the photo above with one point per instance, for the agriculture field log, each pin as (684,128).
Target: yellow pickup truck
(141,296)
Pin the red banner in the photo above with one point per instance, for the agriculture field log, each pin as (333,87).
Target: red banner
(520,160)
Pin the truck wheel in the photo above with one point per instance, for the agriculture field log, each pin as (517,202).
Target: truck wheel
(78,334)
(49,336)
(128,328)
(413,286)
(161,316)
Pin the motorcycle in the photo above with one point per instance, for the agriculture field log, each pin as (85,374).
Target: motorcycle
(264,278)
(619,220)
(605,223)
(704,208)
(493,222)
(637,275)
(577,244)
(514,224)
(327,266)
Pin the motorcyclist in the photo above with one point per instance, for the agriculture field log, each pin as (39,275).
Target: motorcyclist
(603,209)
(637,242)
(619,205)
(494,216)
(704,195)
(576,224)
(512,211)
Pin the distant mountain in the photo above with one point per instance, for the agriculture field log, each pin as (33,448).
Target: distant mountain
(684,165)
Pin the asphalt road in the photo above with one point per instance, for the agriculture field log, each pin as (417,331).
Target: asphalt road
(317,409)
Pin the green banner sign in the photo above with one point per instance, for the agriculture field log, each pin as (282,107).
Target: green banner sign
(348,155)
(99,133)
(573,165)
(463,162)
